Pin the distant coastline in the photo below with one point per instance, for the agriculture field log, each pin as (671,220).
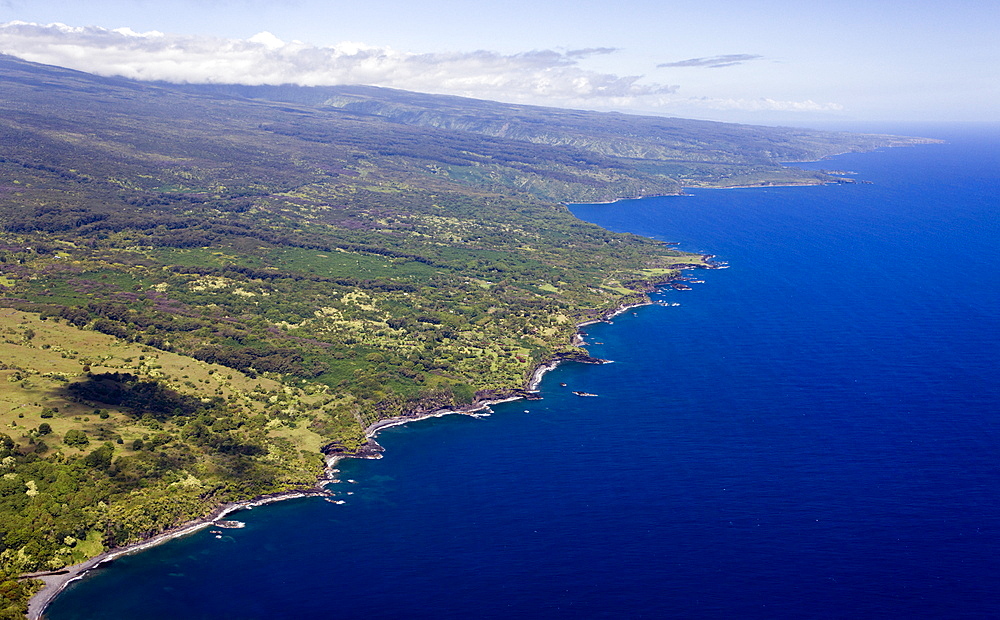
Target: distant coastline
(836,176)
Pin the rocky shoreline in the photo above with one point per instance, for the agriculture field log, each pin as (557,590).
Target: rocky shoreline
(56,581)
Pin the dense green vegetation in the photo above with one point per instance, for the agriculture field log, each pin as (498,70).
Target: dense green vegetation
(201,288)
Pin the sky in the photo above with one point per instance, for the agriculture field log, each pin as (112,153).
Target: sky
(760,61)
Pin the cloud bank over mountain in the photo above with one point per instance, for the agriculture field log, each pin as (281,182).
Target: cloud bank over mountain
(265,59)
(543,77)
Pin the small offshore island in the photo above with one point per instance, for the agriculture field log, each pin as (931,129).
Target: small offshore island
(208,294)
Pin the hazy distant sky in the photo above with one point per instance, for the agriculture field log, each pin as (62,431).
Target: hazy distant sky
(753,60)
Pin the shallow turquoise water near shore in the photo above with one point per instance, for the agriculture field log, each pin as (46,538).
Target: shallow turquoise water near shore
(811,433)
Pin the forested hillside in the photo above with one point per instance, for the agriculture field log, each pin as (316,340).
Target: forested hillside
(201,288)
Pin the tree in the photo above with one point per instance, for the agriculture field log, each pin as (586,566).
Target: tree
(100,458)
(76,438)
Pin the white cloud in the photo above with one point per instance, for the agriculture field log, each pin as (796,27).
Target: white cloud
(713,62)
(268,40)
(536,76)
(542,77)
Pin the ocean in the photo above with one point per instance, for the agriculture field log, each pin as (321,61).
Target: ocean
(813,432)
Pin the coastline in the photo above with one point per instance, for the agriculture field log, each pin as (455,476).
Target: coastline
(529,393)
(534,380)
(764,184)
(897,142)
(56,581)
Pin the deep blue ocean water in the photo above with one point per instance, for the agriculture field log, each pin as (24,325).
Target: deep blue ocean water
(813,433)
